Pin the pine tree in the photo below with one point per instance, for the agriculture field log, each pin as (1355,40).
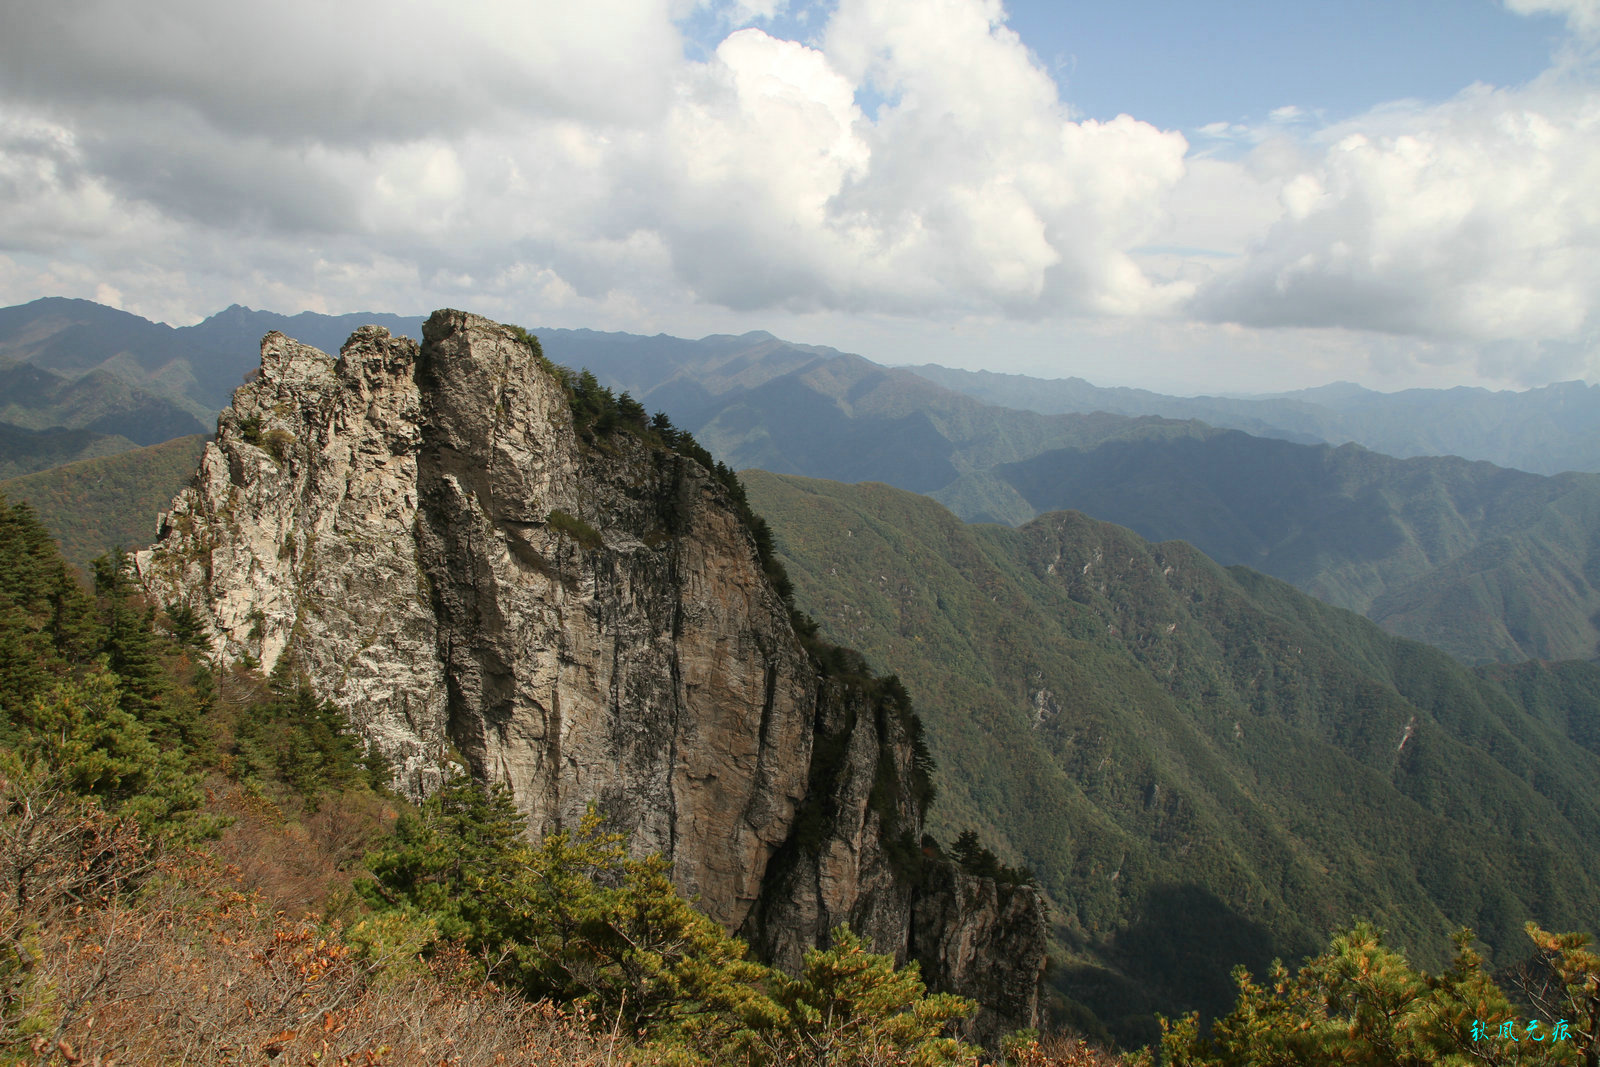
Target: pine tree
(850,1006)
(305,743)
(454,861)
(80,731)
(576,919)
(133,649)
(47,623)
(1572,989)
(1361,1002)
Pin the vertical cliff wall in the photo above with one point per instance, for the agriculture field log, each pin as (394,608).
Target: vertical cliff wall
(585,617)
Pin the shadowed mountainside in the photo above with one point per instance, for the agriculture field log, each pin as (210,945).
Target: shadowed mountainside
(24,451)
(1486,562)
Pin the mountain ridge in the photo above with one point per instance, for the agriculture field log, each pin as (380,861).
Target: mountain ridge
(1435,567)
(1413,543)
(1543,430)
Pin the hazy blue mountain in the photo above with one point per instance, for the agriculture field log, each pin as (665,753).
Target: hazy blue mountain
(757,401)
(73,337)
(1547,430)
(196,367)
(1486,562)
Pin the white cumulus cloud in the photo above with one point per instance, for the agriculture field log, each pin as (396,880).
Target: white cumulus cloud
(1474,219)
(1582,15)
(486,139)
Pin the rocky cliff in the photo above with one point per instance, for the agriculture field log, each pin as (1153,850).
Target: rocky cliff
(584,615)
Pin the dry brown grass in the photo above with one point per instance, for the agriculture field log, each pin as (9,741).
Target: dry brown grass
(116,955)
(112,952)
(299,862)
(228,988)
(1057,1050)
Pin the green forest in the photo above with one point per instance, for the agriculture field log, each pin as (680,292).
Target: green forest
(1203,766)
(93,506)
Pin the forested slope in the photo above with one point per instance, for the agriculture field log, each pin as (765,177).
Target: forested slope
(1486,562)
(1203,764)
(93,506)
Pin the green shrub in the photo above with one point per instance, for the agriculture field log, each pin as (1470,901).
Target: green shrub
(250,430)
(1361,1001)
(575,528)
(276,443)
(851,1006)
(576,920)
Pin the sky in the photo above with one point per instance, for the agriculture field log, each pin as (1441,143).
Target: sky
(1192,196)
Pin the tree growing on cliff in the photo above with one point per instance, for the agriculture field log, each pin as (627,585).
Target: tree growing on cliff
(850,1006)
(454,860)
(304,742)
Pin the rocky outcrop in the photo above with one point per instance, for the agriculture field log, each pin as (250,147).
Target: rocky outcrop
(582,615)
(985,938)
(298,529)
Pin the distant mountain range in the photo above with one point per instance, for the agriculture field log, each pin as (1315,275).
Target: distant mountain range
(195,366)
(98,401)
(757,401)
(1202,764)
(1548,430)
(118,381)
(1488,563)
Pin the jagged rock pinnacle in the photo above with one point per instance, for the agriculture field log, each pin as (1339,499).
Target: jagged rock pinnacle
(448,558)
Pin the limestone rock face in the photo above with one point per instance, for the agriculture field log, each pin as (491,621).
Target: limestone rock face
(588,620)
(297,528)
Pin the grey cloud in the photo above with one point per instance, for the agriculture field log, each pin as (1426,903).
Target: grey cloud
(351,72)
(241,184)
(1534,363)
(1286,291)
